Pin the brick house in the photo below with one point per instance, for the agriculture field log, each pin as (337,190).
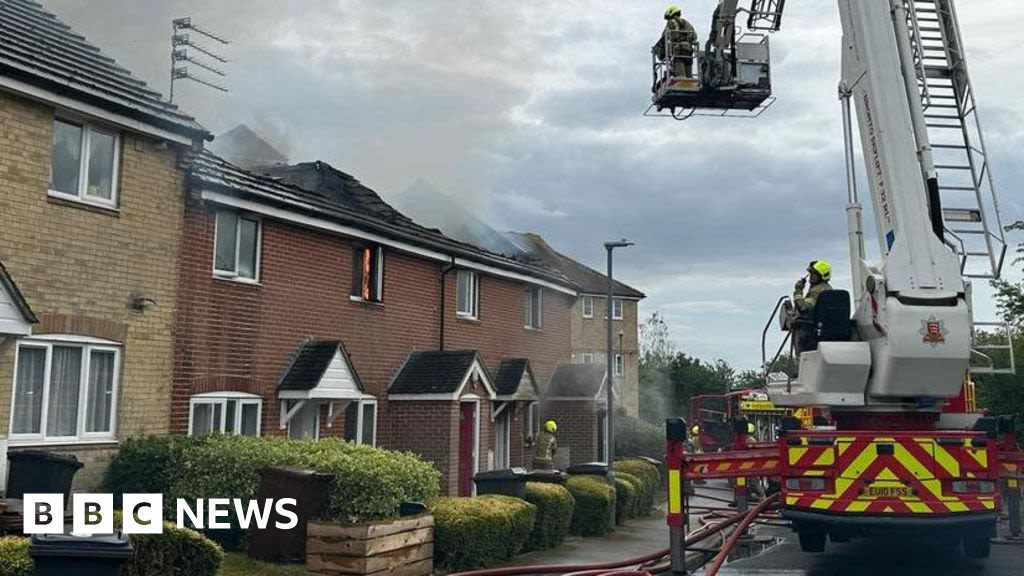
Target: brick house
(577,400)
(589,336)
(90,194)
(304,286)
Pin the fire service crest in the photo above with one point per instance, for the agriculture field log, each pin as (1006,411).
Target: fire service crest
(934,331)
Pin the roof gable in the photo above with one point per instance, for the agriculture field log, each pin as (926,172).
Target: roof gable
(16,317)
(515,380)
(40,51)
(438,375)
(320,370)
(577,381)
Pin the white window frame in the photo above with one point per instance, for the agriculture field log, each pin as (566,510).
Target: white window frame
(583,305)
(620,365)
(617,303)
(88,345)
(588,357)
(360,424)
(532,415)
(529,322)
(233,274)
(503,445)
(378,298)
(288,405)
(474,295)
(222,398)
(83,166)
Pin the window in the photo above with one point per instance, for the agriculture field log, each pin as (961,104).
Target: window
(468,288)
(306,424)
(368,273)
(588,358)
(532,317)
(83,163)
(236,246)
(361,422)
(64,391)
(225,413)
(616,309)
(619,365)
(588,306)
(531,425)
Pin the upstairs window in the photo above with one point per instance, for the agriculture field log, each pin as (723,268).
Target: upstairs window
(616,309)
(236,246)
(619,365)
(532,308)
(588,306)
(468,288)
(224,413)
(368,273)
(84,163)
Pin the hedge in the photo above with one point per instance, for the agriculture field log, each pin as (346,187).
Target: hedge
(369,483)
(627,489)
(554,514)
(635,437)
(14,558)
(651,488)
(176,552)
(471,533)
(595,505)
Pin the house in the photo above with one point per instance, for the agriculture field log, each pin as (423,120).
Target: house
(91,188)
(589,329)
(577,400)
(310,307)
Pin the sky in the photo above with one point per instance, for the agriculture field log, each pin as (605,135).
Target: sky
(530,113)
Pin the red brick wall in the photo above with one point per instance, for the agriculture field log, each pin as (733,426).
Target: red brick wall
(577,427)
(235,336)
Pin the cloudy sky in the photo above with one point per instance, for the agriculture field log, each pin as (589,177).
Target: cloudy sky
(530,113)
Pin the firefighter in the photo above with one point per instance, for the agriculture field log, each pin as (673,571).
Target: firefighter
(544,447)
(753,483)
(676,43)
(694,440)
(819,272)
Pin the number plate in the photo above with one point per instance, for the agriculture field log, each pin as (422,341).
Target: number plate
(889,492)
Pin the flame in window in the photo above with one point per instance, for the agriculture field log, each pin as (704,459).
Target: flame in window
(367,267)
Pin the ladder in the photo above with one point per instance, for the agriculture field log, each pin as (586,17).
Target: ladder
(969,204)
(765,15)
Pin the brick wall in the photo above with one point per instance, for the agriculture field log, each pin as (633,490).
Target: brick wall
(78,266)
(577,427)
(235,336)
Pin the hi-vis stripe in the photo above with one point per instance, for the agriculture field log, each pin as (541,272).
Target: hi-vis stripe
(912,464)
(675,492)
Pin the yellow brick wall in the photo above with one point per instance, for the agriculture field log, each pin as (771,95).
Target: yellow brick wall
(79,267)
(589,336)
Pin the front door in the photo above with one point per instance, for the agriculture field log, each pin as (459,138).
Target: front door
(467,447)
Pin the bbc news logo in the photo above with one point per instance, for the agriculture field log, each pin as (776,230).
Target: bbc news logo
(143,513)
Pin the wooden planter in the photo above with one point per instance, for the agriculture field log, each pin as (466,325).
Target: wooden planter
(402,547)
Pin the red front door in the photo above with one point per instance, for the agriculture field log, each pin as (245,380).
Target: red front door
(467,447)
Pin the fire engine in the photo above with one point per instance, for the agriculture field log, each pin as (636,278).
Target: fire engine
(891,360)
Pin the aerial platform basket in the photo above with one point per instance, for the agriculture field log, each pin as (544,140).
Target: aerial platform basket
(746,96)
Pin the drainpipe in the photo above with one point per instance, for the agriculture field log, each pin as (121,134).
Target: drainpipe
(444,273)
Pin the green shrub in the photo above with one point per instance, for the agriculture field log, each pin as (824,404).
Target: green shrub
(554,514)
(176,552)
(651,488)
(635,437)
(147,466)
(14,558)
(593,514)
(627,488)
(471,533)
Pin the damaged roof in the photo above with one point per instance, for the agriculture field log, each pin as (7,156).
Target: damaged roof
(323,191)
(509,380)
(576,381)
(37,49)
(589,280)
(435,372)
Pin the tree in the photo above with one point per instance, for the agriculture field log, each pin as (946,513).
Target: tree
(656,346)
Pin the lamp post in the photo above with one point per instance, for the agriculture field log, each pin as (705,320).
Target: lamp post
(609,436)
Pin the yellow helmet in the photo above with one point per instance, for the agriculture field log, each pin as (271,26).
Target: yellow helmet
(822,268)
(750,428)
(672,11)
(550,426)
(695,430)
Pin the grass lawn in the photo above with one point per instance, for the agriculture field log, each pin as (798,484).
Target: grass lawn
(238,564)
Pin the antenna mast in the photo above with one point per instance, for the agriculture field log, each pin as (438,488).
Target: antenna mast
(184,49)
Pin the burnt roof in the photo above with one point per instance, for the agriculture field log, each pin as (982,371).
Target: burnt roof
(433,372)
(309,364)
(38,49)
(326,192)
(576,381)
(589,280)
(16,296)
(510,376)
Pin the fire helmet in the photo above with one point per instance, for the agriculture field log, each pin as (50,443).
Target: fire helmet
(822,268)
(672,11)
(550,426)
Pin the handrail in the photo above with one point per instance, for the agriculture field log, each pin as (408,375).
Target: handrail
(764,333)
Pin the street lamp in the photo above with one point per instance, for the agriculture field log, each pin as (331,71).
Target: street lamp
(609,436)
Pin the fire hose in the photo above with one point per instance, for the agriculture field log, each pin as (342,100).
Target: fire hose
(754,513)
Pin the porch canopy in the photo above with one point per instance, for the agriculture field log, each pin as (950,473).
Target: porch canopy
(320,371)
(15,315)
(439,375)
